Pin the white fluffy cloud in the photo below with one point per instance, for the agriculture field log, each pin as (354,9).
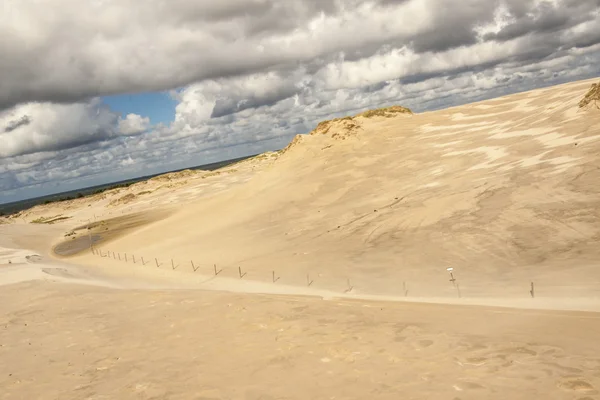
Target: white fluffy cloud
(249,74)
(133,124)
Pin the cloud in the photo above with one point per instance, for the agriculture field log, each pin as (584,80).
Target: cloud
(42,127)
(12,125)
(133,124)
(249,74)
(176,43)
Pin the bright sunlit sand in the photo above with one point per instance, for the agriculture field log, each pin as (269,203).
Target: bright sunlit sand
(450,254)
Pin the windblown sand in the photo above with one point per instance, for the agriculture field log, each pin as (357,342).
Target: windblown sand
(326,255)
(63,341)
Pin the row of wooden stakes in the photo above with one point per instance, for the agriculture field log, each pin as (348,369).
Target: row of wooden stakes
(216,271)
(131,257)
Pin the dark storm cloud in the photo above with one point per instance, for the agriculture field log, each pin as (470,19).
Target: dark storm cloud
(171,44)
(435,41)
(548,19)
(192,41)
(448,73)
(230,105)
(591,38)
(545,17)
(12,125)
(374,87)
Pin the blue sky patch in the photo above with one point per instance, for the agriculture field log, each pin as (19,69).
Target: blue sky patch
(158,106)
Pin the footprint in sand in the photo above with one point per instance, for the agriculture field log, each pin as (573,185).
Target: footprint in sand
(466,385)
(576,384)
(471,385)
(61,272)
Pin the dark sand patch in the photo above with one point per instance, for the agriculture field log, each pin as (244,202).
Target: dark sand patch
(101,232)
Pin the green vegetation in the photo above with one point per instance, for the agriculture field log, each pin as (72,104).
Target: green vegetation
(123,200)
(385,112)
(218,172)
(81,195)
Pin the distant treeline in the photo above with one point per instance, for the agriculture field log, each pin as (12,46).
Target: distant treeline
(80,195)
(17,206)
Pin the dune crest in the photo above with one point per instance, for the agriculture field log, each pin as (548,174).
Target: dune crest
(504,190)
(345,127)
(593,95)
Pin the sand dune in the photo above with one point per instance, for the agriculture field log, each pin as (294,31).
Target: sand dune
(503,191)
(367,213)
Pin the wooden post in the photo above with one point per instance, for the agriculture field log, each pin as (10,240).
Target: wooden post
(532,291)
(90,236)
(350,287)
(143,262)
(308,281)
(173,265)
(125,257)
(217,272)
(405,289)
(156,263)
(241,275)
(458,290)
(119,254)
(133,256)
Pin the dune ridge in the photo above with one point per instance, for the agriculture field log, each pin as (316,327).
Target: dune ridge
(502,190)
(330,261)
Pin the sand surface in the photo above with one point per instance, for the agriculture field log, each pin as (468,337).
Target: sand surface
(321,271)
(62,341)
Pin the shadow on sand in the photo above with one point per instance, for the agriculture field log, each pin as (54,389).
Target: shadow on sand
(102,232)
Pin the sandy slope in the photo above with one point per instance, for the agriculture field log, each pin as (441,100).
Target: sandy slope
(505,191)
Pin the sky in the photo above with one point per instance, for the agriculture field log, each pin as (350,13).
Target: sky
(97,91)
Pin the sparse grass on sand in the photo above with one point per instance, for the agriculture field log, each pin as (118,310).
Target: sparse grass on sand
(387,112)
(123,200)
(49,220)
(593,95)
